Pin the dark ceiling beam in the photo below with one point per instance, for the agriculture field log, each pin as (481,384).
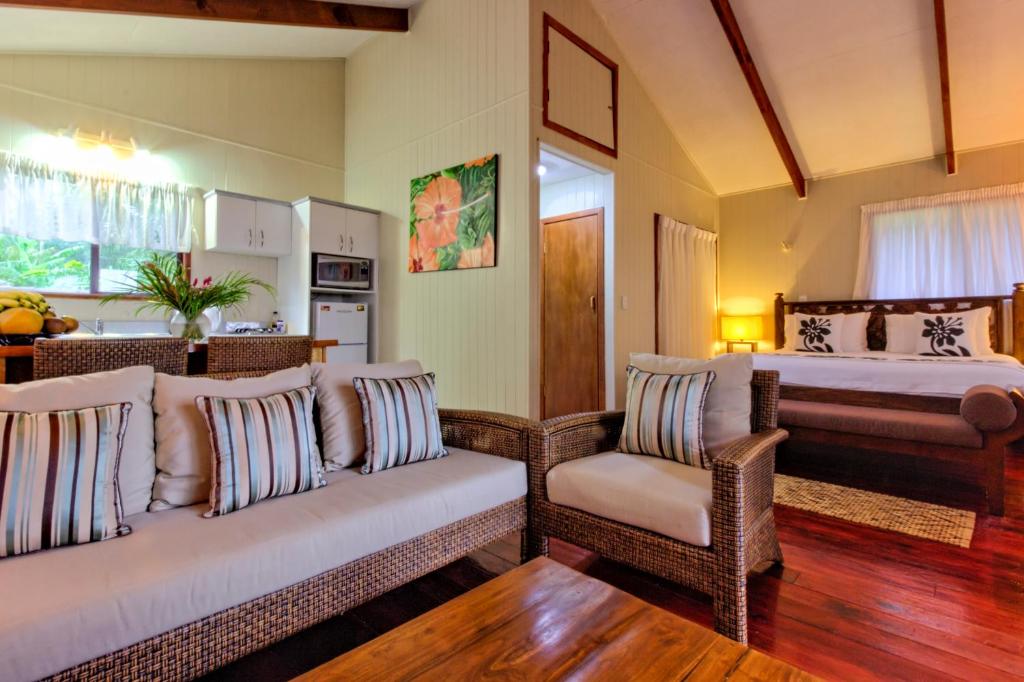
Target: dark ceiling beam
(739,47)
(281,12)
(947,110)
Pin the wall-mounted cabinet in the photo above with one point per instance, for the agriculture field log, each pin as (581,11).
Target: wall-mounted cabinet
(249,226)
(342,230)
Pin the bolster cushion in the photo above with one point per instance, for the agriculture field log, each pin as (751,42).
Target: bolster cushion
(988,408)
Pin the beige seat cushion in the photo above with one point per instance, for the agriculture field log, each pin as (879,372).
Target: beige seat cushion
(130,385)
(66,606)
(182,438)
(341,413)
(657,494)
(925,427)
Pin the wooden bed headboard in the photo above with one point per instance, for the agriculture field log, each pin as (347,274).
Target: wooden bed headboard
(879,308)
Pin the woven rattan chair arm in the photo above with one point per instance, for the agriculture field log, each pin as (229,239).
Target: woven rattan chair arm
(564,439)
(743,452)
(487,432)
(743,485)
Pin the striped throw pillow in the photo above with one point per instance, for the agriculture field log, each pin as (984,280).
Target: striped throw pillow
(665,414)
(262,447)
(400,420)
(58,477)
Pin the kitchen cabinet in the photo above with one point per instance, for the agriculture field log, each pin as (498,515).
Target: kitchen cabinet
(341,230)
(246,225)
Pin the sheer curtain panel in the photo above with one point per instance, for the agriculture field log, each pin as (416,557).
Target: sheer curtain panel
(38,201)
(687,289)
(968,243)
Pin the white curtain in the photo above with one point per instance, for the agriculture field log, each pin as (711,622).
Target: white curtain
(38,201)
(968,243)
(687,289)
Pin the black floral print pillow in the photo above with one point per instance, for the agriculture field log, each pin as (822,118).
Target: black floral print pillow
(814,335)
(943,335)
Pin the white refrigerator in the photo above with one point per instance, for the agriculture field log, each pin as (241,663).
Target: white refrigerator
(346,322)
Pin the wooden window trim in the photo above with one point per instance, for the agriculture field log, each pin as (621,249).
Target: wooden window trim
(552,23)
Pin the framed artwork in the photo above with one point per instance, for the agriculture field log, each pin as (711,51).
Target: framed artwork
(453,217)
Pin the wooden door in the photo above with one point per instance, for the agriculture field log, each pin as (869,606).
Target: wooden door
(572,313)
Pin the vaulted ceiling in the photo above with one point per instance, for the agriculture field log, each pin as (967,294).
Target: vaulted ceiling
(855,83)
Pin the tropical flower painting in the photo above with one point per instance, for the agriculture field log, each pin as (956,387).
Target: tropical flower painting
(453,217)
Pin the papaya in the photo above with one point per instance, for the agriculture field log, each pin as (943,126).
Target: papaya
(52,325)
(20,321)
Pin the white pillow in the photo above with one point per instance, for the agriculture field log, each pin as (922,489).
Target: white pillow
(130,385)
(830,342)
(903,331)
(959,334)
(727,408)
(183,453)
(341,413)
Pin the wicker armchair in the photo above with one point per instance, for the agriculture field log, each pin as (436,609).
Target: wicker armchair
(66,357)
(265,354)
(742,521)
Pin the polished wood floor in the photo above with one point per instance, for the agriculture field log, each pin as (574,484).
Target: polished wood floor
(851,603)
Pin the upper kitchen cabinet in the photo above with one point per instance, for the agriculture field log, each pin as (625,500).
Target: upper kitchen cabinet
(250,226)
(335,228)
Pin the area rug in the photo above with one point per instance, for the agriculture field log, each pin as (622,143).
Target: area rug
(920,519)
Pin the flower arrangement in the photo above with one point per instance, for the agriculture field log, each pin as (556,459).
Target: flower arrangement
(452,217)
(163,281)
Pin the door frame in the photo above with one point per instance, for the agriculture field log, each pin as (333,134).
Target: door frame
(599,213)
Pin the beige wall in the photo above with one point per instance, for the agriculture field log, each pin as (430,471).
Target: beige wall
(824,228)
(266,127)
(453,89)
(652,175)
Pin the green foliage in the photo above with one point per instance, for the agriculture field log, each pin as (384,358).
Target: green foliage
(48,265)
(164,282)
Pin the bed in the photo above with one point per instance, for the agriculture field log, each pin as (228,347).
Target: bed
(865,407)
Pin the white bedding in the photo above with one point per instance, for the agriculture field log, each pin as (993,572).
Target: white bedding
(893,372)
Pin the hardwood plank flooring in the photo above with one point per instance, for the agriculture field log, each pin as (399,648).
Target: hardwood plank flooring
(851,603)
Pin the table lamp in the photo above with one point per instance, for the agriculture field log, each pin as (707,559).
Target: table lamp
(741,330)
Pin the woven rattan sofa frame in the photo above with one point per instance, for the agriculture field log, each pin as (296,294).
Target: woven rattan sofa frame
(197,648)
(742,527)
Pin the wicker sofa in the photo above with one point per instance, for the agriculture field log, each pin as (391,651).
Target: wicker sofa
(742,526)
(183,595)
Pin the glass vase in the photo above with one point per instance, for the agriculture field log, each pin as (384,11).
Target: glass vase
(194,329)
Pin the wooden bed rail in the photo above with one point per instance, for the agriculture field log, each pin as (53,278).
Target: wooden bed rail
(879,308)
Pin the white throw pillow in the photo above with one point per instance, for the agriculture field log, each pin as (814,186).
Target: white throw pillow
(855,332)
(727,408)
(957,334)
(341,414)
(903,331)
(130,385)
(183,452)
(830,335)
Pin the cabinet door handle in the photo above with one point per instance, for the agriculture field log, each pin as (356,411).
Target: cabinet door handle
(341,243)
(351,244)
(261,239)
(250,236)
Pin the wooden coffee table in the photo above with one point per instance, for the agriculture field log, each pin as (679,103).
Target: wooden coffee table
(545,621)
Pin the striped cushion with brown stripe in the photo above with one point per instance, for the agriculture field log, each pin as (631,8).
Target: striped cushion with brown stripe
(400,420)
(665,415)
(262,447)
(58,477)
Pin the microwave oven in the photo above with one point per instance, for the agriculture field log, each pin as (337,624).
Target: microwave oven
(341,272)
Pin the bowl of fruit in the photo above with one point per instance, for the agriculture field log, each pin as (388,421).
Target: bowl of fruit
(25,315)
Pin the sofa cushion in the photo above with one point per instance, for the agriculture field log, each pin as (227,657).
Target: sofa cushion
(924,427)
(659,495)
(341,415)
(129,385)
(262,448)
(400,421)
(69,605)
(727,408)
(58,478)
(182,440)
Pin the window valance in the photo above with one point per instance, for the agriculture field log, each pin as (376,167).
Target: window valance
(39,201)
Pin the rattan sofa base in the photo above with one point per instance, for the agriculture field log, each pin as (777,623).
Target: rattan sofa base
(197,648)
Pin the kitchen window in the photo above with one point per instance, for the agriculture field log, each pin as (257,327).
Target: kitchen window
(67,232)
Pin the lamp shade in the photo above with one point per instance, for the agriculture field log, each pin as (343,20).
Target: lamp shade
(742,327)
